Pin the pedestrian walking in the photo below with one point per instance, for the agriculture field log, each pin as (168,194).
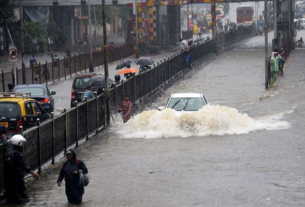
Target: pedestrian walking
(126,109)
(111,46)
(45,72)
(98,48)
(282,61)
(50,53)
(70,171)
(10,87)
(88,93)
(274,61)
(15,168)
(68,52)
(32,61)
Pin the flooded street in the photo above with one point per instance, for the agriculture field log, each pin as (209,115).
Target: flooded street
(246,148)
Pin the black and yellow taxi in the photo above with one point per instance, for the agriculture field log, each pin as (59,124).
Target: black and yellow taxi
(18,110)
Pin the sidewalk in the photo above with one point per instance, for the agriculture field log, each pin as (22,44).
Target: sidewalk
(42,57)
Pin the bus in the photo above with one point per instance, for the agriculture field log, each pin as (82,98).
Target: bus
(300,9)
(244,14)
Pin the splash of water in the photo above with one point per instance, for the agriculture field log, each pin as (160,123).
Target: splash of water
(210,120)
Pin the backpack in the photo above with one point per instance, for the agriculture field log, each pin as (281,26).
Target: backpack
(83,178)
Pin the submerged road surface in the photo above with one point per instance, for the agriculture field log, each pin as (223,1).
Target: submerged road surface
(245,149)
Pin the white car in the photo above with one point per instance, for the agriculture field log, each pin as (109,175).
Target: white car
(185,102)
(302,22)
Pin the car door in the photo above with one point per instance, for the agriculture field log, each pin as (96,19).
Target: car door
(39,112)
(30,118)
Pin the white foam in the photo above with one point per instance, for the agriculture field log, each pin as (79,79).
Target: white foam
(210,120)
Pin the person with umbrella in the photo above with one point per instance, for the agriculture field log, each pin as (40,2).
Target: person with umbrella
(123,64)
(145,63)
(128,72)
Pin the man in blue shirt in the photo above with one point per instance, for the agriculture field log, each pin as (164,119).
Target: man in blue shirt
(88,93)
(32,60)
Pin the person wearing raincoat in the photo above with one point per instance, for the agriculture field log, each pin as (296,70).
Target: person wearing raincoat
(195,29)
(15,168)
(274,62)
(70,172)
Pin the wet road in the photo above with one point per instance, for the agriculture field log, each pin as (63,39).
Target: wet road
(256,164)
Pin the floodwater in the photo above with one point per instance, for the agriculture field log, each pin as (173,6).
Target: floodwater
(246,148)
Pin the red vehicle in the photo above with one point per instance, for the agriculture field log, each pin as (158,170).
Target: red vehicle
(244,14)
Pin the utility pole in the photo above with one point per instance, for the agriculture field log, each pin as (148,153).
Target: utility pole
(256,16)
(266,44)
(135,9)
(95,23)
(106,63)
(22,41)
(214,28)
(275,22)
(187,17)
(90,40)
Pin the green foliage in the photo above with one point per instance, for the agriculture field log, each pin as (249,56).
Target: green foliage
(34,30)
(57,34)
(6,11)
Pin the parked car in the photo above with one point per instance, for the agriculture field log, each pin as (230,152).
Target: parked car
(185,102)
(40,93)
(302,22)
(80,83)
(18,110)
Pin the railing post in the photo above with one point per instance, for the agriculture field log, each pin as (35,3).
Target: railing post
(53,135)
(87,119)
(32,74)
(65,69)
(16,76)
(38,147)
(13,77)
(53,70)
(123,89)
(70,66)
(65,133)
(46,75)
(134,87)
(80,64)
(39,73)
(85,63)
(96,113)
(58,66)
(76,145)
(3,81)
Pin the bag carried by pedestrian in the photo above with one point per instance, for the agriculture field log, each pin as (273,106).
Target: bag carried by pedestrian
(84,179)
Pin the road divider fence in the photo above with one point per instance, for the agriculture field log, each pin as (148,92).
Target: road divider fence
(53,137)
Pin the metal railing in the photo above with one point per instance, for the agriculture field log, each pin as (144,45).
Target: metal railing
(62,68)
(52,137)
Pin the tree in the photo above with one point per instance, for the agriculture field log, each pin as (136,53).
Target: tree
(6,11)
(34,35)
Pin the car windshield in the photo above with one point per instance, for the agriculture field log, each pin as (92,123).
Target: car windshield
(186,104)
(9,110)
(34,91)
(81,83)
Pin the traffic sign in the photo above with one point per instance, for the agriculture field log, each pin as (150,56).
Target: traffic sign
(13,54)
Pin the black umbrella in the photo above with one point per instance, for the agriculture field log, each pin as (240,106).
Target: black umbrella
(144,61)
(99,82)
(123,64)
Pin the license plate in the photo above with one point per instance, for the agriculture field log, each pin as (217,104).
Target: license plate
(4,124)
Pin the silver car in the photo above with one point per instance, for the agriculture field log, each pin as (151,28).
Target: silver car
(185,102)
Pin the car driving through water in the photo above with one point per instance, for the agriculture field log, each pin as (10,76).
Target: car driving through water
(185,102)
